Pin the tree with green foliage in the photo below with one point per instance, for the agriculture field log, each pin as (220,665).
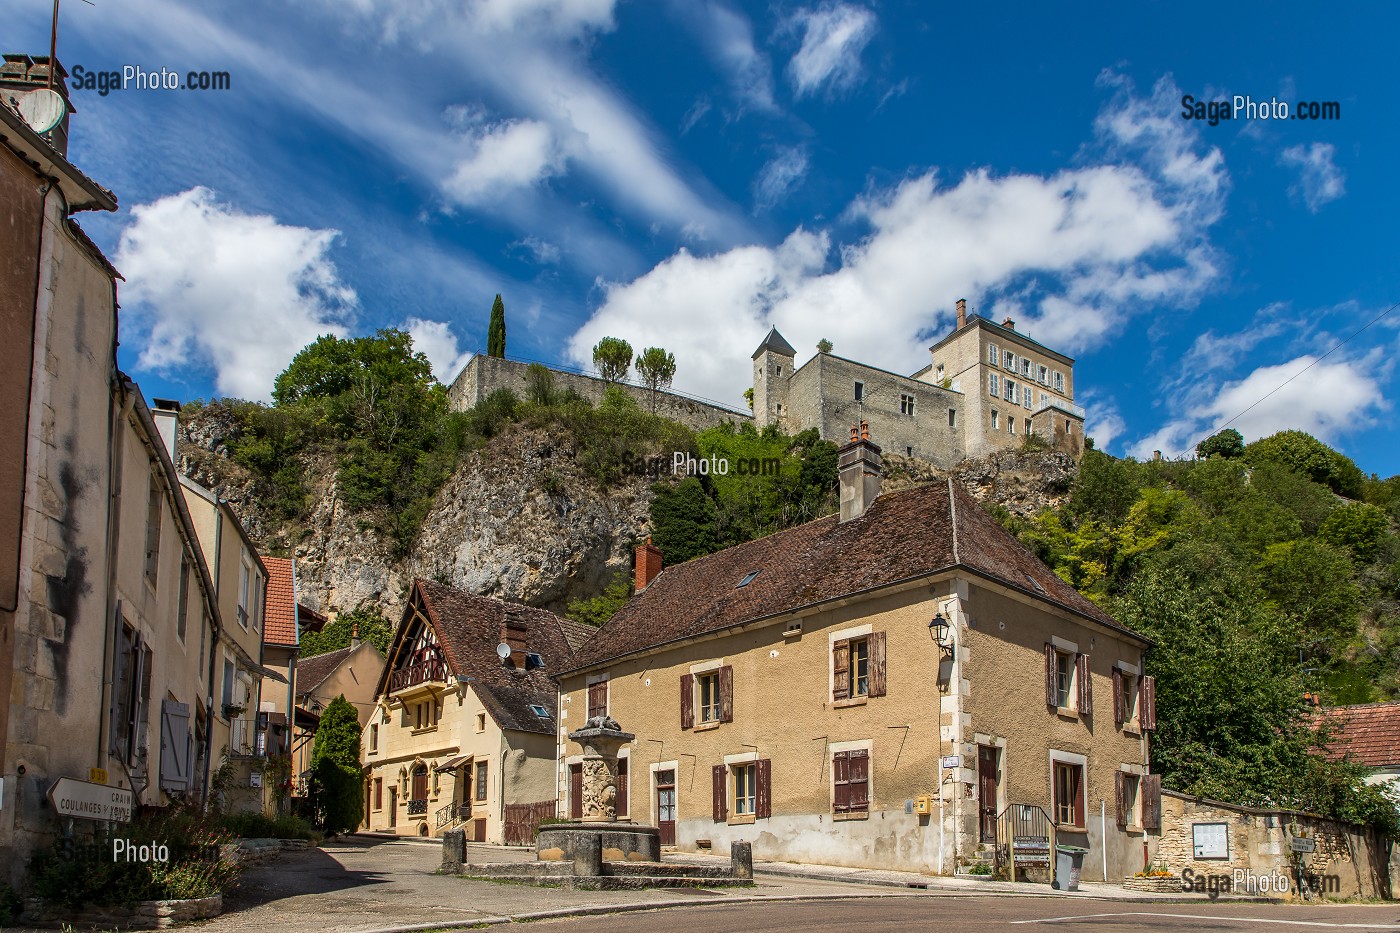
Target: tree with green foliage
(1305,454)
(1359,527)
(337,633)
(496,331)
(601,608)
(748,397)
(656,368)
(683,521)
(612,357)
(1228,443)
(335,768)
(824,346)
(539,385)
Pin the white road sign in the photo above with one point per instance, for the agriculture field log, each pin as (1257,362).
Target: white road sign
(84,801)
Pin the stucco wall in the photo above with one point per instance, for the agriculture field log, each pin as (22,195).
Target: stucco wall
(783,712)
(485,374)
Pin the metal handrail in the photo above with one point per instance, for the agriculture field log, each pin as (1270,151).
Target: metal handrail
(452,814)
(1062,405)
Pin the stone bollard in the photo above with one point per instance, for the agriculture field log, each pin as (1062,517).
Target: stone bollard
(588,855)
(741,860)
(454,851)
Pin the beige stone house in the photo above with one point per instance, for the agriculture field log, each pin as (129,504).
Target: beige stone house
(352,672)
(107,608)
(986,388)
(463,730)
(792,692)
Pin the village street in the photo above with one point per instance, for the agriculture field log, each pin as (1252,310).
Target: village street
(366,884)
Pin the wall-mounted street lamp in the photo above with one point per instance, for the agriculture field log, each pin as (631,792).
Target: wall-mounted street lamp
(942,634)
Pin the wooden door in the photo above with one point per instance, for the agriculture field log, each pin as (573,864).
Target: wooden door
(393,807)
(987,791)
(666,806)
(576,792)
(478,830)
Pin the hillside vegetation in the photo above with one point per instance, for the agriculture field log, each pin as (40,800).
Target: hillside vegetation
(1268,577)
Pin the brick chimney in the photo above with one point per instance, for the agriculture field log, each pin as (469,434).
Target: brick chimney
(859,467)
(962,313)
(648,564)
(1009,324)
(514,631)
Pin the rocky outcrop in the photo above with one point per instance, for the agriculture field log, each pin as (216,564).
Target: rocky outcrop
(1022,482)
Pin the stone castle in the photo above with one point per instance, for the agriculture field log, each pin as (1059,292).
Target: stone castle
(986,388)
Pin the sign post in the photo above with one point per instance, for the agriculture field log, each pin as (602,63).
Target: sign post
(84,800)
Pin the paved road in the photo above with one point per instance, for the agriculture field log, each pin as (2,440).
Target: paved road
(1001,914)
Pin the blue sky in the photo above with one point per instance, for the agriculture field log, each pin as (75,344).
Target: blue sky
(687,174)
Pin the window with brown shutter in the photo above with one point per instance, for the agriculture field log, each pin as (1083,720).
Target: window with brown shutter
(1085,680)
(877,664)
(1116,677)
(620,803)
(1151,790)
(841,670)
(764,778)
(687,701)
(707,690)
(851,775)
(1120,799)
(721,793)
(1147,703)
(598,699)
(1069,794)
(1052,667)
(726,693)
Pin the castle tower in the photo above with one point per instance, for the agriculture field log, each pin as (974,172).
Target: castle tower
(773,365)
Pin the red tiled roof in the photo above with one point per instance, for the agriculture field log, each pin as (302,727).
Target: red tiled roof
(280,614)
(904,535)
(1368,733)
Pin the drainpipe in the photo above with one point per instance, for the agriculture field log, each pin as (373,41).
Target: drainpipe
(502,802)
(114,512)
(1103,834)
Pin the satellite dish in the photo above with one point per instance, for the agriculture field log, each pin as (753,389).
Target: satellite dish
(42,109)
(503,650)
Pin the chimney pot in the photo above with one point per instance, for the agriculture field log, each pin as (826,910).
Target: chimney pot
(962,313)
(514,630)
(1009,324)
(859,468)
(648,564)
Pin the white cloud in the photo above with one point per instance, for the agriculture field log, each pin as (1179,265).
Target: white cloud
(1330,399)
(543,251)
(779,177)
(833,36)
(1080,252)
(239,292)
(728,40)
(435,340)
(512,154)
(1319,180)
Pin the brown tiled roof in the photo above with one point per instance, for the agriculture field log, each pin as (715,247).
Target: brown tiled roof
(468,629)
(904,535)
(312,671)
(280,614)
(576,633)
(1368,733)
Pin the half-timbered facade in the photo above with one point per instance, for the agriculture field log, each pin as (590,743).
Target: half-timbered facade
(462,730)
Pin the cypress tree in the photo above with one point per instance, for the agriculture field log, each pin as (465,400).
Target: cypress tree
(496,334)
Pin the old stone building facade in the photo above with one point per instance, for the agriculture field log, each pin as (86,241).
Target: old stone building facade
(986,388)
(793,692)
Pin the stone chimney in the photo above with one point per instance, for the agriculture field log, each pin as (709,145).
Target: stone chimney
(648,564)
(860,467)
(514,631)
(21,74)
(1009,324)
(962,313)
(354,635)
(166,414)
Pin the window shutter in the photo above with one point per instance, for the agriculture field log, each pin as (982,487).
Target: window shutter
(875,685)
(860,779)
(841,670)
(1052,693)
(1120,792)
(174,746)
(763,777)
(726,693)
(1147,703)
(721,793)
(841,776)
(1117,678)
(687,701)
(620,803)
(1086,685)
(1150,792)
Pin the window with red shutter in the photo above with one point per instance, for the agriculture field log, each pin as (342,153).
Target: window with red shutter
(841,778)
(598,699)
(1151,790)
(1085,684)
(764,774)
(1117,678)
(687,701)
(726,693)
(840,670)
(1052,667)
(850,771)
(860,780)
(620,804)
(721,793)
(1120,795)
(1147,703)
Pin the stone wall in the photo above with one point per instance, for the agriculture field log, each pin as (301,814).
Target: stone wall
(485,374)
(1348,861)
(143,915)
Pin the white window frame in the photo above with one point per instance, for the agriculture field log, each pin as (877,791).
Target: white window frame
(995,419)
(994,384)
(1043,375)
(1133,812)
(1071,650)
(1026,396)
(1074,760)
(1060,382)
(737,804)
(1008,360)
(1130,676)
(993,354)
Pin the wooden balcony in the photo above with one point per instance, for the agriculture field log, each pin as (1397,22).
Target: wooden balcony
(431,670)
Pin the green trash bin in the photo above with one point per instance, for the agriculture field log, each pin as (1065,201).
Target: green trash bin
(1069,861)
